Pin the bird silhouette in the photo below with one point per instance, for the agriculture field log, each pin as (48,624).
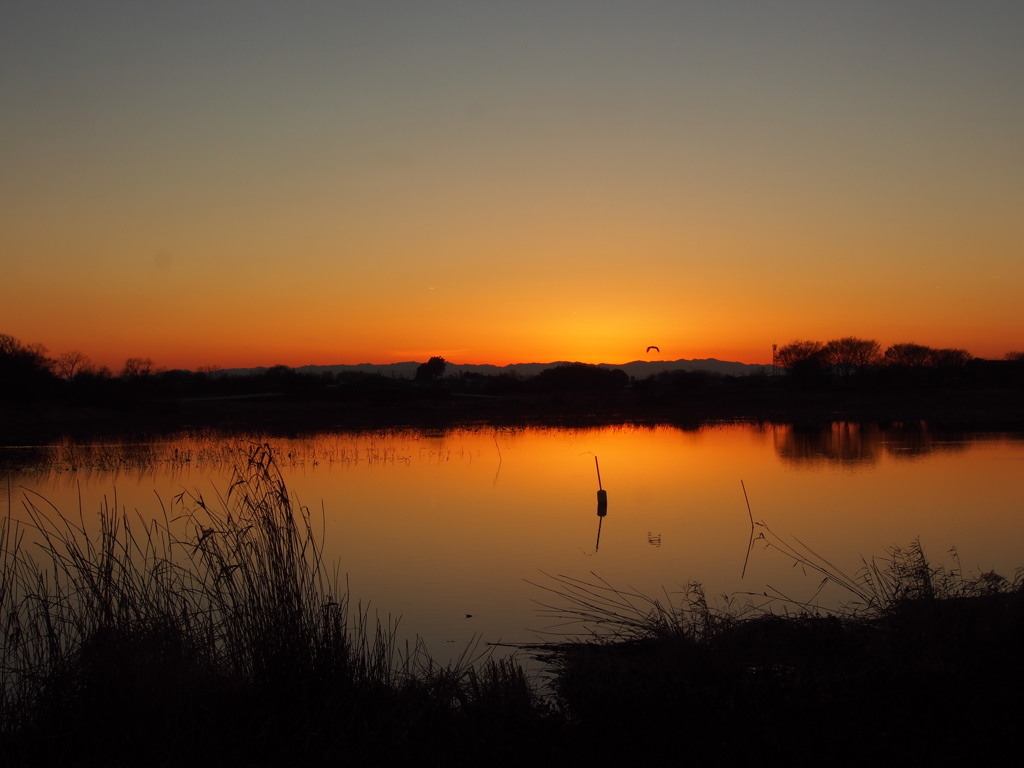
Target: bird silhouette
(654,348)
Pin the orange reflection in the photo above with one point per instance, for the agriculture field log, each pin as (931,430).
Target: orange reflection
(437,526)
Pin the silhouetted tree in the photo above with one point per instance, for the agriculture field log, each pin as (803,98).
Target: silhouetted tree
(69,364)
(806,361)
(25,370)
(137,368)
(918,364)
(798,352)
(850,355)
(15,352)
(432,370)
(908,355)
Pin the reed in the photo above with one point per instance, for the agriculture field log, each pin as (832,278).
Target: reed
(910,667)
(218,628)
(883,584)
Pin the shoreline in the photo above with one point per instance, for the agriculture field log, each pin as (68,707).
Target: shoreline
(283,414)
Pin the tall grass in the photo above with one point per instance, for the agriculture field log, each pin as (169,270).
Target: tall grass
(922,663)
(882,585)
(217,633)
(216,627)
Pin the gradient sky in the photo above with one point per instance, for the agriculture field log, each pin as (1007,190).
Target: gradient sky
(253,183)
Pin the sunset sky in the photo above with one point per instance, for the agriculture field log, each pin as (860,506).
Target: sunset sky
(253,183)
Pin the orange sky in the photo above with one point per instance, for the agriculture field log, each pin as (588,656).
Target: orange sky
(250,184)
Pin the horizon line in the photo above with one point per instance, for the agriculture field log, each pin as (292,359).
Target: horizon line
(489,365)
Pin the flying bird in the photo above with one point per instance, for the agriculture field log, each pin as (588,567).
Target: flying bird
(654,348)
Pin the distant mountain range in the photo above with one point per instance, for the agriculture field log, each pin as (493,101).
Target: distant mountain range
(638,369)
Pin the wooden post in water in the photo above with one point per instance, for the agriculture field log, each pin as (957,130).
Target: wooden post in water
(602,505)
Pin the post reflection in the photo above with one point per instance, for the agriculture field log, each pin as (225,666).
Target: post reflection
(602,504)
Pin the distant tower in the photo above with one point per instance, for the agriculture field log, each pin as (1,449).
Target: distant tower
(775,359)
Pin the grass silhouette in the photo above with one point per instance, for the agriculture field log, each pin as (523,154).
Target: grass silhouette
(923,663)
(217,633)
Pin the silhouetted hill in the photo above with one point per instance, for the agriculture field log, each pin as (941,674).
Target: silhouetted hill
(637,369)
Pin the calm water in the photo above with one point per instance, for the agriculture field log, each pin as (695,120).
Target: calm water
(432,527)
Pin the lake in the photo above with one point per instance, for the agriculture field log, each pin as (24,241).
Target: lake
(458,531)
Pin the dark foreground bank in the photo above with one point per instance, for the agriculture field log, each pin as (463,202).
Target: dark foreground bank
(218,636)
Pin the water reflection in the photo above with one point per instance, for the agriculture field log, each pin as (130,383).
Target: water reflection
(430,527)
(844,443)
(849,443)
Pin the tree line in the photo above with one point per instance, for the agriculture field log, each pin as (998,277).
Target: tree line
(850,358)
(29,374)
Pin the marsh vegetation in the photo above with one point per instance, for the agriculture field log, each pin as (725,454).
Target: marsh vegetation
(216,632)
